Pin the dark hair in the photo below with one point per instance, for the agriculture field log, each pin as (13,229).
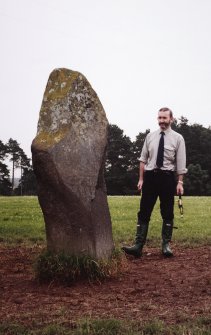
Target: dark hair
(166,109)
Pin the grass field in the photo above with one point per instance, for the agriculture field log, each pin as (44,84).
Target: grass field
(21,220)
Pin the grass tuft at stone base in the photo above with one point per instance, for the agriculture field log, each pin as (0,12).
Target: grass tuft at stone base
(66,269)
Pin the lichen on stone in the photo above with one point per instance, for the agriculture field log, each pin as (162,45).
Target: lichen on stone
(69,104)
(59,83)
(45,139)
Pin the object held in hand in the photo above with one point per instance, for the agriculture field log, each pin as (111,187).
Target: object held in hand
(180,205)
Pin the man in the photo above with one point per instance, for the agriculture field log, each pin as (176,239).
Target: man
(162,155)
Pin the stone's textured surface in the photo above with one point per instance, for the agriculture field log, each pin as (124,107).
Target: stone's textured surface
(68,158)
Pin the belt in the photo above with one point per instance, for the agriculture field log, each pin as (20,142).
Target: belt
(159,171)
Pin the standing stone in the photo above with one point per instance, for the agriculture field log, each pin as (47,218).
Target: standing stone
(68,158)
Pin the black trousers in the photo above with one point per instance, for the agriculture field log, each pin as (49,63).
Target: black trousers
(162,184)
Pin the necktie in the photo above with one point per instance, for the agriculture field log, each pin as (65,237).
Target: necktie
(159,161)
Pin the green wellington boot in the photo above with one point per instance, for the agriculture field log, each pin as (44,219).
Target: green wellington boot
(167,230)
(141,235)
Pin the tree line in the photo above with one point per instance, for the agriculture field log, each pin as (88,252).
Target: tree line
(122,165)
(12,152)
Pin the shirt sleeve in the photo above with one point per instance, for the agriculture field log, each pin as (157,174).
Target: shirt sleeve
(144,152)
(181,157)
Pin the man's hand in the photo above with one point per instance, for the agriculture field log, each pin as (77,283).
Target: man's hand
(140,183)
(180,189)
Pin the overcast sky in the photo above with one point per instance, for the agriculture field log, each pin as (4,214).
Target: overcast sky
(138,55)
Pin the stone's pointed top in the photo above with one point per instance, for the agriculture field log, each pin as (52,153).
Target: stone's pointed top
(69,104)
(59,82)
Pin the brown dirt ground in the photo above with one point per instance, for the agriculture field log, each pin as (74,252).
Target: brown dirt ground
(173,290)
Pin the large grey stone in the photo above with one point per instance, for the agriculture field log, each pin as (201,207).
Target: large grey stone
(68,158)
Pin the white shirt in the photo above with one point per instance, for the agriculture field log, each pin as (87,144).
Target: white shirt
(174,151)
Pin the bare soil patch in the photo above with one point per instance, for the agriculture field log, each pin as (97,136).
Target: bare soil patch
(174,290)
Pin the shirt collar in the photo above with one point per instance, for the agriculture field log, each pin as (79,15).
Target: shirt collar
(167,131)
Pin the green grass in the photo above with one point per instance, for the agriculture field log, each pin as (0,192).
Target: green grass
(21,220)
(198,326)
(193,229)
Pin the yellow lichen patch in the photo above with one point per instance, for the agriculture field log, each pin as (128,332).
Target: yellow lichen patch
(45,140)
(59,83)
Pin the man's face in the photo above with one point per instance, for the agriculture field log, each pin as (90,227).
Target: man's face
(164,120)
